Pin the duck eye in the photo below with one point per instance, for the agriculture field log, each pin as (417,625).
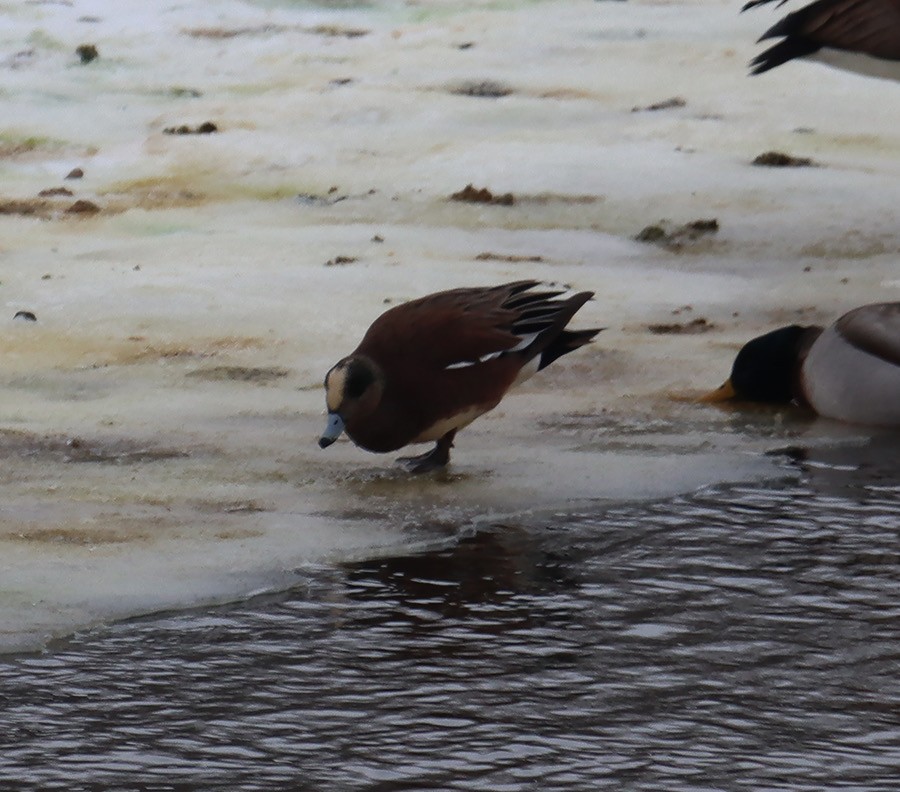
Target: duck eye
(359,378)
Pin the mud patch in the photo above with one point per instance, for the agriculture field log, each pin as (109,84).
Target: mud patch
(165,192)
(79,536)
(222,33)
(206,128)
(45,208)
(672,103)
(202,349)
(28,207)
(60,448)
(237,534)
(341,261)
(481,89)
(545,198)
(249,374)
(695,326)
(55,192)
(14,148)
(508,257)
(852,245)
(337,31)
(314,199)
(162,352)
(566,93)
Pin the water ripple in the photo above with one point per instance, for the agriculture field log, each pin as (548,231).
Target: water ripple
(743,637)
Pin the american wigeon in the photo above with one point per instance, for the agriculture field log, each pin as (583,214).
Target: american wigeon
(429,367)
(849,371)
(862,36)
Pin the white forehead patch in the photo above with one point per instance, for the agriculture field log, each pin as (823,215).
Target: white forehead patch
(334,387)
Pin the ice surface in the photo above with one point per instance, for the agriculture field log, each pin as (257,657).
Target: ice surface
(159,419)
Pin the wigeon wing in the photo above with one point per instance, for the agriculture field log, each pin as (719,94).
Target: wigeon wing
(452,328)
(871,27)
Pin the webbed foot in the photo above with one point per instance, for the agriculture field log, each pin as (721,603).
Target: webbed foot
(436,459)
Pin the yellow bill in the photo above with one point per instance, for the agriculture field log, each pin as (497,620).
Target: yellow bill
(724,392)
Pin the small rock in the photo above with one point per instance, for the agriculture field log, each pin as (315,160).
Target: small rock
(82,206)
(180,92)
(311,199)
(482,89)
(651,233)
(338,31)
(677,237)
(339,261)
(87,52)
(54,191)
(510,258)
(778,159)
(25,208)
(25,316)
(472,194)
(206,128)
(665,104)
(710,226)
(75,173)
(699,325)
(377,238)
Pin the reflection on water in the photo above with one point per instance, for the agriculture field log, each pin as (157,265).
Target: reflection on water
(743,637)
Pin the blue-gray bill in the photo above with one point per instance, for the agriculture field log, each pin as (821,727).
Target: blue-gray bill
(333,430)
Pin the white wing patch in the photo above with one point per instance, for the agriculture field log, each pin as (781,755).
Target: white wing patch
(523,344)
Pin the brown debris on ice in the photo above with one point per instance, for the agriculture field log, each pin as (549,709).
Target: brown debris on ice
(472,194)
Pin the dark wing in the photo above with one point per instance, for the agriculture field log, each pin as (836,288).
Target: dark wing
(874,329)
(464,326)
(869,27)
(755,3)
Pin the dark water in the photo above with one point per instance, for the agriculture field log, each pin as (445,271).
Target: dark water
(744,637)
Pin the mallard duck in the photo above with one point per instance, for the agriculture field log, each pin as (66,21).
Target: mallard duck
(849,371)
(861,36)
(427,368)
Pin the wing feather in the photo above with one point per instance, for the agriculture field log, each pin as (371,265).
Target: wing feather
(456,326)
(874,329)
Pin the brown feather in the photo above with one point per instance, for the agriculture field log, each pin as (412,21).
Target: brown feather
(441,356)
(874,329)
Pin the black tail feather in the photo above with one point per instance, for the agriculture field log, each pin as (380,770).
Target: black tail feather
(566,341)
(782,52)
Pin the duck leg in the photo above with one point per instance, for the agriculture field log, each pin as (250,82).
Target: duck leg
(436,459)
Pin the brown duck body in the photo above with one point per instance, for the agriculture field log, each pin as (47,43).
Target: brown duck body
(429,367)
(862,36)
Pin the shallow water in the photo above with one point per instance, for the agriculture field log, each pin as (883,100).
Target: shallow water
(745,636)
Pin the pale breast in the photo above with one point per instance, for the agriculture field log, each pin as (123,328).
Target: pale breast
(462,419)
